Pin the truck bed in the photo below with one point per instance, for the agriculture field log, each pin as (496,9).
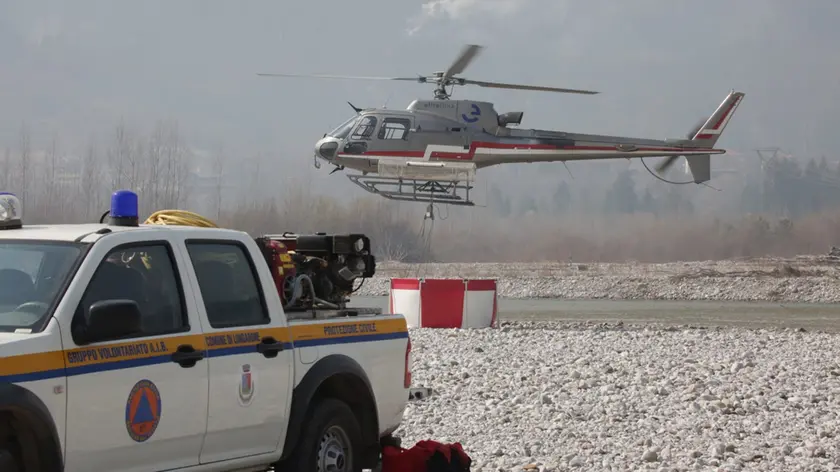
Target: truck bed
(321,314)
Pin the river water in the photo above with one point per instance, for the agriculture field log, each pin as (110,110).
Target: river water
(700,313)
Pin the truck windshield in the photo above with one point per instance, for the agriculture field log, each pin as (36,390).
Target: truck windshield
(31,275)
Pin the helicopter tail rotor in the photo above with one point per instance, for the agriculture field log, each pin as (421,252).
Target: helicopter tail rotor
(696,129)
(669,161)
(666,164)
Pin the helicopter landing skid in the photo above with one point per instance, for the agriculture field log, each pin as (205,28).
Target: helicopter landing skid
(413,190)
(420,181)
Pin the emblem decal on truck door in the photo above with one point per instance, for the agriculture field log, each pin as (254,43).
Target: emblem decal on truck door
(246,386)
(142,410)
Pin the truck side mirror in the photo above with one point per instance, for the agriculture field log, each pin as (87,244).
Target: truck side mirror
(111,319)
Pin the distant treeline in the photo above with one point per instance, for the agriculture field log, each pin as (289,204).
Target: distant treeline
(783,207)
(775,185)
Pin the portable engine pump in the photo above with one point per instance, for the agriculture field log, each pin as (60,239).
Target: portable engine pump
(317,270)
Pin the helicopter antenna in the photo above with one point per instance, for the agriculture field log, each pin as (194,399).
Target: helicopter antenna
(448,78)
(354,107)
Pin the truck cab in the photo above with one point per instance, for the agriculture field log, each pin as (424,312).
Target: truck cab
(127,347)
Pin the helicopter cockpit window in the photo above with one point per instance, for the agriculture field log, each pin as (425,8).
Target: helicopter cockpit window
(394,128)
(343,130)
(365,129)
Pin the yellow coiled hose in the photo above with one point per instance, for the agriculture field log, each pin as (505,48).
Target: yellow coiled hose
(187,218)
(179,217)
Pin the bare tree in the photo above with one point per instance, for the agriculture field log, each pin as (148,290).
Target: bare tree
(167,179)
(255,186)
(154,163)
(296,205)
(118,156)
(218,171)
(52,188)
(175,168)
(25,151)
(7,168)
(251,191)
(136,169)
(183,175)
(89,178)
(392,250)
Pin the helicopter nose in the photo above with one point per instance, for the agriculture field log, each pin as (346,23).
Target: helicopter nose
(326,148)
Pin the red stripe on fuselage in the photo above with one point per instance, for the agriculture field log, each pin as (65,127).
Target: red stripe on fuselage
(469,154)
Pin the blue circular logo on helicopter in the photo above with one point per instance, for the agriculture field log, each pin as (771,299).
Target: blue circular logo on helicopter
(474,114)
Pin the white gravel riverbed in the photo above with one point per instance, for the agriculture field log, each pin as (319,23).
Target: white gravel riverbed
(814,279)
(586,396)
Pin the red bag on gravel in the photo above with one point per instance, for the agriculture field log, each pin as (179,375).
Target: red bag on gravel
(426,456)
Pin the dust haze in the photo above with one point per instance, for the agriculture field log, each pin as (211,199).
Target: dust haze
(163,98)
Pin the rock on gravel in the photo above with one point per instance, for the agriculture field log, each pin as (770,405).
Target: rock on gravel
(814,279)
(585,396)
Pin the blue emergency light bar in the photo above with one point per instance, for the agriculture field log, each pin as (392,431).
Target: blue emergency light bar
(11,212)
(124,208)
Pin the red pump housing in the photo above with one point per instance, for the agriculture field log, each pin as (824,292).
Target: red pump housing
(283,270)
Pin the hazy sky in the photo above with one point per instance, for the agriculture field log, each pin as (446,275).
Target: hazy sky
(74,67)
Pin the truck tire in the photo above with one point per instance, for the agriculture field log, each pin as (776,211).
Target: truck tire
(8,462)
(330,440)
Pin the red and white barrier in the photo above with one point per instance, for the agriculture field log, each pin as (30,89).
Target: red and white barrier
(445,303)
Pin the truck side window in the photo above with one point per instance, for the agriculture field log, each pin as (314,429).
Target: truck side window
(229,284)
(146,275)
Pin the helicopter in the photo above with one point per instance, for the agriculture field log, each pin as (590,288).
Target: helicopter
(430,151)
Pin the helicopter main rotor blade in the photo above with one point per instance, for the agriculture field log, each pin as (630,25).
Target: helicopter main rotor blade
(467,55)
(324,76)
(526,87)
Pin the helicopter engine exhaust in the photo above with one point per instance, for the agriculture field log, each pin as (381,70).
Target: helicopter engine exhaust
(510,118)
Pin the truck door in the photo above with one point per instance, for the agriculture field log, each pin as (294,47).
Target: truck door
(138,403)
(249,351)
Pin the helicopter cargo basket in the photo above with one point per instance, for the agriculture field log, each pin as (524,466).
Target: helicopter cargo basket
(421,181)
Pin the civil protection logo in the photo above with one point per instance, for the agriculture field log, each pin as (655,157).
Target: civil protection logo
(246,386)
(142,410)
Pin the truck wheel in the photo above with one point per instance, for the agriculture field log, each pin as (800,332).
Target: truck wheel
(8,462)
(330,441)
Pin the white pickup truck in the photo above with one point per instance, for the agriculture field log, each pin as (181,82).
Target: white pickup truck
(125,347)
